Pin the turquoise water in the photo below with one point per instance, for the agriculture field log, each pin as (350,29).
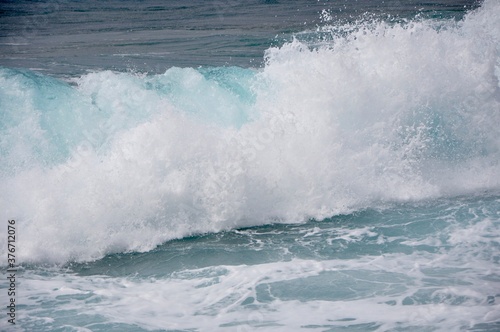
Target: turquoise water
(339,171)
(427,266)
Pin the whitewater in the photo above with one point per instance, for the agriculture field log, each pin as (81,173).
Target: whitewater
(351,182)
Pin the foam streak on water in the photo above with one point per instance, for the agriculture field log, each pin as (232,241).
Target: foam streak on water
(428,267)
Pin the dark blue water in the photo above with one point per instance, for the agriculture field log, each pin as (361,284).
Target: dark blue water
(251,165)
(72,37)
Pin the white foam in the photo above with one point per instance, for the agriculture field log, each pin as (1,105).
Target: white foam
(234,297)
(387,113)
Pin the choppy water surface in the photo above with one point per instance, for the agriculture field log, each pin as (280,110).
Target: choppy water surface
(261,166)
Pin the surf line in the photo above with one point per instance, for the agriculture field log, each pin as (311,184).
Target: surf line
(11,271)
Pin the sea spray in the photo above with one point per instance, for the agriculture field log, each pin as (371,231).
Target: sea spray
(386,113)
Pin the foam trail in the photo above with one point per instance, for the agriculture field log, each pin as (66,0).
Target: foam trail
(121,162)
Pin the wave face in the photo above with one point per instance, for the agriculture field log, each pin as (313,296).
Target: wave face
(365,115)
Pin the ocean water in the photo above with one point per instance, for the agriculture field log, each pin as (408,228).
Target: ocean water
(250,165)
